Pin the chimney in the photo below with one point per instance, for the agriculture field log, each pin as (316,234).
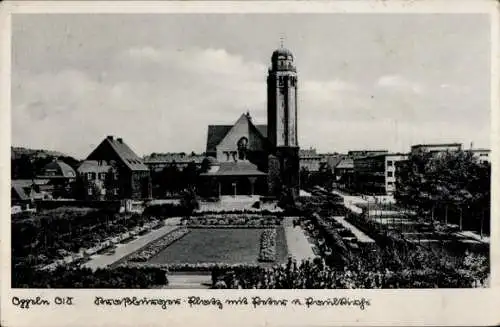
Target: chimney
(120,140)
(110,137)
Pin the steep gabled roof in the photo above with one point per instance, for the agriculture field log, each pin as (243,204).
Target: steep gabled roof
(217,132)
(128,156)
(262,130)
(122,152)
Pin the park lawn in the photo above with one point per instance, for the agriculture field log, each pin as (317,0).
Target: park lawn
(221,245)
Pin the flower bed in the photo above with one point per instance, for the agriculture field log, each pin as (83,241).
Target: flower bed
(155,247)
(268,246)
(201,267)
(237,220)
(262,212)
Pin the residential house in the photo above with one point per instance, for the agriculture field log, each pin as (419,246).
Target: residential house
(133,179)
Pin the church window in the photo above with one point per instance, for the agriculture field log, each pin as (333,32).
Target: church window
(242,148)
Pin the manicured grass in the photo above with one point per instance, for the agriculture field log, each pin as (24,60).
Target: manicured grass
(225,245)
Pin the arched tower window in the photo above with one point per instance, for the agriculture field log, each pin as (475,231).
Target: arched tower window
(242,148)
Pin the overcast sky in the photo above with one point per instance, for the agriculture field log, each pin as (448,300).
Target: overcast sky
(365,80)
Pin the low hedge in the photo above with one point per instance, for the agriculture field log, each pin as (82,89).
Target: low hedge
(65,277)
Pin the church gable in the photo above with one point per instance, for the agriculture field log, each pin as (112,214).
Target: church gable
(242,131)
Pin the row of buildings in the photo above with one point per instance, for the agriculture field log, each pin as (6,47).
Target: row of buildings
(111,171)
(114,171)
(243,158)
(374,172)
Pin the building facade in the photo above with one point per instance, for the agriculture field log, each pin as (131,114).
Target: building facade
(310,160)
(246,156)
(158,161)
(238,159)
(364,153)
(343,173)
(376,174)
(61,176)
(282,84)
(436,148)
(482,155)
(133,179)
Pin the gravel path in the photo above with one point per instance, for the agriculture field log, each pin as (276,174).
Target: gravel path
(362,237)
(103,260)
(298,245)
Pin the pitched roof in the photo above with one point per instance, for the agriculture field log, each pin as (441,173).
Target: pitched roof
(431,145)
(262,129)
(333,161)
(29,182)
(124,153)
(217,132)
(235,168)
(128,156)
(93,166)
(20,192)
(59,168)
(345,164)
(23,188)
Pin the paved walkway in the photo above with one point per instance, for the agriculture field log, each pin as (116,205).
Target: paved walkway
(189,281)
(361,237)
(298,245)
(474,236)
(122,250)
(350,201)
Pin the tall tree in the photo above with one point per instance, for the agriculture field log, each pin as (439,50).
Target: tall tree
(428,181)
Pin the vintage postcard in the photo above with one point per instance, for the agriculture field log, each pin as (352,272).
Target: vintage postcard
(249,163)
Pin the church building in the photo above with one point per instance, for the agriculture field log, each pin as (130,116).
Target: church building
(248,158)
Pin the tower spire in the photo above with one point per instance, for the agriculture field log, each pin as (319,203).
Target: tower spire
(282,39)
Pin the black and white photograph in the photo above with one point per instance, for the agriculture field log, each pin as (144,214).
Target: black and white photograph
(251,151)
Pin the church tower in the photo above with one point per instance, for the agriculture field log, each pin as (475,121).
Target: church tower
(283,165)
(282,100)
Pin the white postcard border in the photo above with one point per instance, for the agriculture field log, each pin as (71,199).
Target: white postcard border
(394,307)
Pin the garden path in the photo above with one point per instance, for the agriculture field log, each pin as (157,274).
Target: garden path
(122,250)
(360,236)
(298,245)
